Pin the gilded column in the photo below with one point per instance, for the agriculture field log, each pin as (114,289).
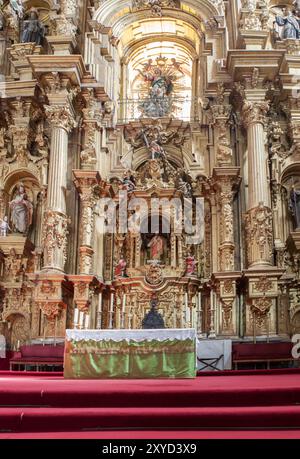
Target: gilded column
(55,227)
(259,216)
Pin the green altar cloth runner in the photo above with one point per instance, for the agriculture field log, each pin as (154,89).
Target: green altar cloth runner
(96,354)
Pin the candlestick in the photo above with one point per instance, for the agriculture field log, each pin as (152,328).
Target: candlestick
(100,302)
(44,324)
(111,311)
(87,321)
(212,332)
(112,303)
(186,308)
(76,316)
(81,318)
(55,327)
(199,314)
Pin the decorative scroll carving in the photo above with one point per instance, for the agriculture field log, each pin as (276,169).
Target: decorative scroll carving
(258,223)
(156,6)
(52,309)
(154,275)
(260,309)
(55,232)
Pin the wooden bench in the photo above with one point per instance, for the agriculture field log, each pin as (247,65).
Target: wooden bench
(38,356)
(261,353)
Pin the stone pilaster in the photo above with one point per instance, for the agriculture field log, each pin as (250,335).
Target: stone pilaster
(226,182)
(92,116)
(220,118)
(89,187)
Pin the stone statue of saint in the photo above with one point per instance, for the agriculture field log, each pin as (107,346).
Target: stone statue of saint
(291,25)
(294,205)
(34,30)
(21,211)
(156,247)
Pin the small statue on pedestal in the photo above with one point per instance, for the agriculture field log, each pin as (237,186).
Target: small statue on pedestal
(156,246)
(34,30)
(4,227)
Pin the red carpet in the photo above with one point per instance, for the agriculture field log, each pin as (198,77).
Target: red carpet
(226,406)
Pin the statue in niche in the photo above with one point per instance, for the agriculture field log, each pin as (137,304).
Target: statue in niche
(156,246)
(294,205)
(156,150)
(191,265)
(290,23)
(4,227)
(34,30)
(153,319)
(21,211)
(120,269)
(128,181)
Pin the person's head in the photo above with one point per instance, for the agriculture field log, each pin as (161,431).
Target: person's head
(5,219)
(21,187)
(33,14)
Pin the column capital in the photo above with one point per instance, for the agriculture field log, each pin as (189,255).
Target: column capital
(226,179)
(254,112)
(60,116)
(90,182)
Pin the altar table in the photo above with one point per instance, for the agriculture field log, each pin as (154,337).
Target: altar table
(151,353)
